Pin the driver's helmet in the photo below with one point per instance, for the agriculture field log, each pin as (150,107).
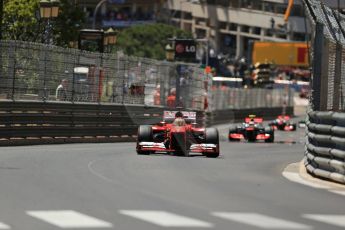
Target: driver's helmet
(179,121)
(251,122)
(178,114)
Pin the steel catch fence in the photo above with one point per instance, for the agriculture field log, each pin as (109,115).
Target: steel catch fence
(31,71)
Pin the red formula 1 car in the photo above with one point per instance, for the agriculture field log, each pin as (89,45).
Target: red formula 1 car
(251,130)
(283,122)
(180,138)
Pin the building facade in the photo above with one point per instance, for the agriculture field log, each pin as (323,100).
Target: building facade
(120,13)
(231,25)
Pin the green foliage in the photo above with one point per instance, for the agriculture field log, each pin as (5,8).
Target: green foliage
(22,22)
(68,24)
(148,40)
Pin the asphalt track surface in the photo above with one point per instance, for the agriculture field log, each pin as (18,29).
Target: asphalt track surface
(108,186)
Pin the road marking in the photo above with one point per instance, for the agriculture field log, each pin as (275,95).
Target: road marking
(4,226)
(260,221)
(295,177)
(338,220)
(166,219)
(69,219)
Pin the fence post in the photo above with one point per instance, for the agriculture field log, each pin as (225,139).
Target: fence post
(337,77)
(319,82)
(14,71)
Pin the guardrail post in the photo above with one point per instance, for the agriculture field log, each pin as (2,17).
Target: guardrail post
(319,79)
(337,77)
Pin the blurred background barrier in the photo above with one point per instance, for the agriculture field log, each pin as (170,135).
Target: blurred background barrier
(325,140)
(40,122)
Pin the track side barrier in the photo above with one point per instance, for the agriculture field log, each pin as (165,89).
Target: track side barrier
(34,122)
(325,145)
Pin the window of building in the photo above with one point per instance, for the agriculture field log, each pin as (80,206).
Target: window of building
(268,7)
(299,37)
(257,30)
(282,36)
(245,29)
(280,8)
(188,16)
(225,3)
(297,10)
(200,33)
(233,27)
(268,33)
(223,25)
(211,2)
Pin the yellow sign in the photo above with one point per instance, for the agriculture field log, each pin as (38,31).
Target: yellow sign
(281,53)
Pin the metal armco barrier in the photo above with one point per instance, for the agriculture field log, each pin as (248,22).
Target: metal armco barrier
(39,122)
(325,145)
(237,115)
(33,122)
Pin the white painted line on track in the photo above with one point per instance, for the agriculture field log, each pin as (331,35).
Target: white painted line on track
(295,177)
(260,221)
(337,220)
(4,226)
(69,219)
(166,219)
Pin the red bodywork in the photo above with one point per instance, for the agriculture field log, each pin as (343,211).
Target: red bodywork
(171,138)
(282,122)
(250,130)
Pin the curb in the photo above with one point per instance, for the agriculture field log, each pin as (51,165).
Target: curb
(306,176)
(297,173)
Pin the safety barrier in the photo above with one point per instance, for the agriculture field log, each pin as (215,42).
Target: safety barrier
(237,115)
(34,122)
(38,122)
(325,145)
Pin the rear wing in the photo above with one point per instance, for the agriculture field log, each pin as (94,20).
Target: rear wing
(256,119)
(169,116)
(282,117)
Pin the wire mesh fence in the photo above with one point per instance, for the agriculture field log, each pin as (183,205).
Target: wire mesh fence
(31,71)
(48,73)
(328,52)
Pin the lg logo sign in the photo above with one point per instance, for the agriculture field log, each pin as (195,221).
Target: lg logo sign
(185,48)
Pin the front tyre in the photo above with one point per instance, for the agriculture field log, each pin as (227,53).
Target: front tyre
(144,135)
(270,131)
(233,130)
(212,137)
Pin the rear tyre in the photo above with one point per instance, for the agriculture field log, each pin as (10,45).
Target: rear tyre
(212,137)
(294,127)
(144,135)
(232,130)
(270,131)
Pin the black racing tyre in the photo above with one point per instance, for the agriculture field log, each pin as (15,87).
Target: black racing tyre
(294,127)
(144,135)
(232,129)
(212,137)
(269,130)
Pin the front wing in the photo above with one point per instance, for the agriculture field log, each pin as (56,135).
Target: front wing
(240,136)
(160,147)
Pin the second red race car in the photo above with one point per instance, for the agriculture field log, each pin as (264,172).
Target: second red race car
(178,133)
(251,130)
(283,122)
